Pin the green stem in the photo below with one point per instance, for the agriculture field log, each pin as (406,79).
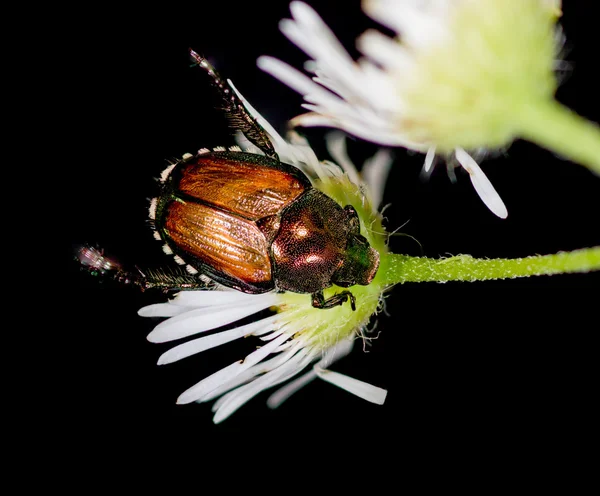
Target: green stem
(402,268)
(559,129)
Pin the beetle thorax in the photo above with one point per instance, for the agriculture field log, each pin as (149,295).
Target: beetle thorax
(311,242)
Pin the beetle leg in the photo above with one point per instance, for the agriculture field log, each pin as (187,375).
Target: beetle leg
(163,279)
(166,280)
(237,115)
(319,301)
(97,264)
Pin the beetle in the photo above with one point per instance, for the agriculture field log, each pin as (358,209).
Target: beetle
(253,223)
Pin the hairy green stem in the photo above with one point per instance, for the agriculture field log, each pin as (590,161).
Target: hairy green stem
(402,268)
(559,129)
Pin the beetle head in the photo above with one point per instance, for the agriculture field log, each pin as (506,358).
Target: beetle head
(360,263)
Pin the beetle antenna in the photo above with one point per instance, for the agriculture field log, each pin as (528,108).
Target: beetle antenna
(94,261)
(237,115)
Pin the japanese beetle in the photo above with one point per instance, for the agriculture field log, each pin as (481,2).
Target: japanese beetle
(255,224)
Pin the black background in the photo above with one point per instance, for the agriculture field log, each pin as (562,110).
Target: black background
(480,366)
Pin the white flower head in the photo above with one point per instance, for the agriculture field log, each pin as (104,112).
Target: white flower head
(447,82)
(296,334)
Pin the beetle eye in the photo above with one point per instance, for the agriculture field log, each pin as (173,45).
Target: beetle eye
(353,220)
(360,240)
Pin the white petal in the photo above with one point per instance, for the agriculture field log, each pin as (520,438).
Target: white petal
(310,23)
(337,116)
(210,298)
(212,382)
(333,65)
(382,90)
(359,388)
(304,85)
(358,120)
(311,34)
(381,134)
(418,23)
(336,352)
(251,373)
(355,128)
(332,355)
(366,125)
(313,119)
(339,109)
(204,343)
(429,159)
(375,172)
(186,299)
(302,155)
(482,184)
(241,395)
(209,383)
(336,146)
(288,75)
(246,144)
(205,319)
(238,397)
(162,310)
(331,84)
(262,352)
(282,394)
(274,334)
(385,51)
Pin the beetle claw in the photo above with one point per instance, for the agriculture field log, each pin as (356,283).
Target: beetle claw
(319,301)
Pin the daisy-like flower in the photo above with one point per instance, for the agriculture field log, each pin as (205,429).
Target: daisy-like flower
(453,79)
(296,334)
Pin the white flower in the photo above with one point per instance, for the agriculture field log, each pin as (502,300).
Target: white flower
(448,82)
(296,335)
(290,344)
